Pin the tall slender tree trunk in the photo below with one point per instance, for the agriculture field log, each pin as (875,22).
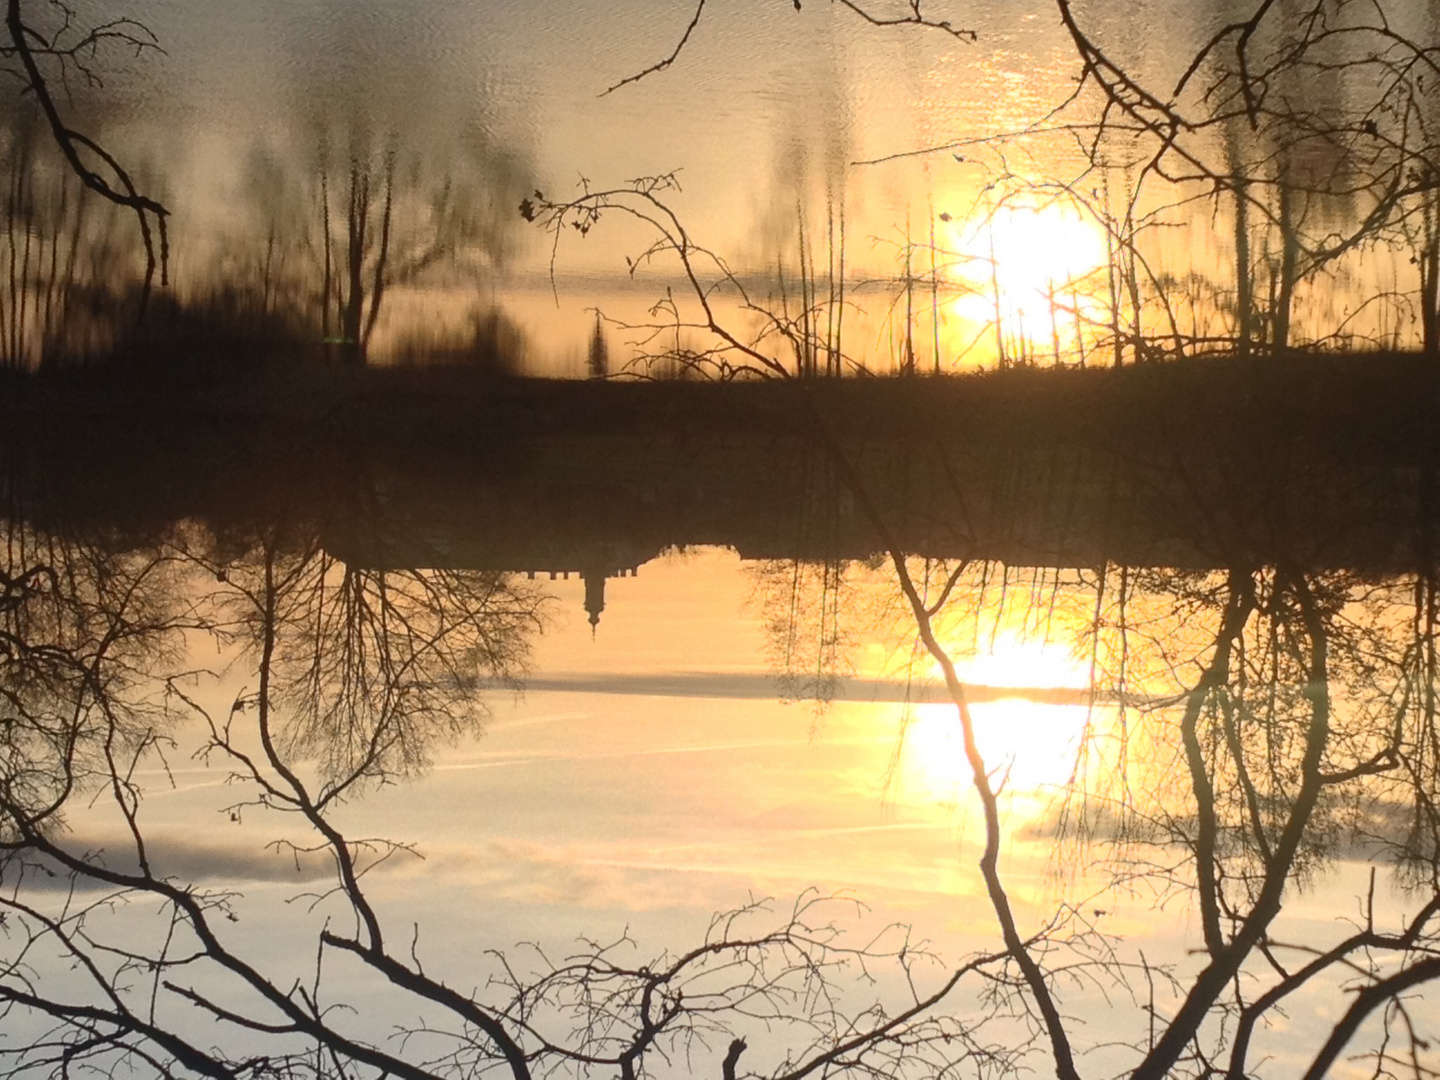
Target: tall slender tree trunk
(357,241)
(327,284)
(1430,279)
(1289,254)
(1244,282)
(381,276)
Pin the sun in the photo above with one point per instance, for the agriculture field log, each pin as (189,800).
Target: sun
(1034,744)
(1028,266)
(1035,747)
(1014,660)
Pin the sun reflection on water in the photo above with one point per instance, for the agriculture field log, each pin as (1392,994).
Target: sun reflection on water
(1031,269)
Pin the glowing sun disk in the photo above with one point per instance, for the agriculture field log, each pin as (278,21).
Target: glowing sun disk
(1026,259)
(1012,660)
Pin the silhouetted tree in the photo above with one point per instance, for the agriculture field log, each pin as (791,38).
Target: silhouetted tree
(338,661)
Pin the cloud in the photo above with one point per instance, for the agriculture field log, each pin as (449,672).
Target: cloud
(171,855)
(752,686)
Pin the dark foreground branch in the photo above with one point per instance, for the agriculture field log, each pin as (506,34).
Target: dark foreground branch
(26,43)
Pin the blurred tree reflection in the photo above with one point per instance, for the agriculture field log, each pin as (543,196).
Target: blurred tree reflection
(50,52)
(342,222)
(400,182)
(66,272)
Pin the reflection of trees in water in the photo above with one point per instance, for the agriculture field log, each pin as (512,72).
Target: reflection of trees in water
(381,178)
(1311,128)
(49,52)
(341,225)
(328,239)
(1275,189)
(335,220)
(393,217)
(66,268)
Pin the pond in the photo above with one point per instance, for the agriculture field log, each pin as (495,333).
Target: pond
(853,197)
(752,540)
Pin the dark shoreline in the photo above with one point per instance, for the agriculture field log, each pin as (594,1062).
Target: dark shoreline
(1379,390)
(1315,460)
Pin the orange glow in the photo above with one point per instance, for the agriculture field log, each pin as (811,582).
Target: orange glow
(1033,746)
(1034,258)
(1013,661)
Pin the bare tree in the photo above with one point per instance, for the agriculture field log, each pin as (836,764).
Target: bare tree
(1267,754)
(190,1001)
